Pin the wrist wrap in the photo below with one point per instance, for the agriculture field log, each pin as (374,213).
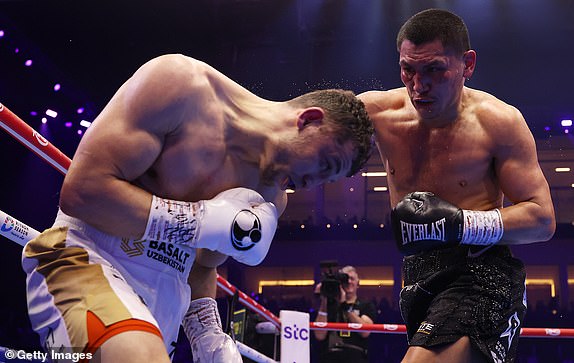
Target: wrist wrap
(482,227)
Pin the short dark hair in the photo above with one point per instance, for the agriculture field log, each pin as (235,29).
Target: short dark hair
(431,24)
(347,115)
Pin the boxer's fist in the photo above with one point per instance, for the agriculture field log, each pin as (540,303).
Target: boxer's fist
(238,223)
(209,344)
(422,221)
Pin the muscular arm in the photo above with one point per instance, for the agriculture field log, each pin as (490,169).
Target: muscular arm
(531,217)
(203,275)
(123,143)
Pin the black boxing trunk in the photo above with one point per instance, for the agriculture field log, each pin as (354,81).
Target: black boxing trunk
(458,292)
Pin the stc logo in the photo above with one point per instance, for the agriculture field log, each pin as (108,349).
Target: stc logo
(295,333)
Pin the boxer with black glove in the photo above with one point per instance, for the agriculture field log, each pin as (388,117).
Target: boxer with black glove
(422,221)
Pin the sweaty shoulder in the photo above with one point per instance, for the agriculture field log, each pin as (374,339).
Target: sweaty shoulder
(165,84)
(168,78)
(379,103)
(495,115)
(169,88)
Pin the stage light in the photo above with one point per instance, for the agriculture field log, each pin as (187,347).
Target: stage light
(57,87)
(28,63)
(374,173)
(80,110)
(68,124)
(566,123)
(85,123)
(1,33)
(44,120)
(51,113)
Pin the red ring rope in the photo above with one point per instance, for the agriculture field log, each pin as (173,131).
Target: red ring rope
(30,138)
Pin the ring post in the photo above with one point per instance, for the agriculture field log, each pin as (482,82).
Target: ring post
(295,337)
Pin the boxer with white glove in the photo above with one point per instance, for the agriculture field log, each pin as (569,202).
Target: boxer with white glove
(202,326)
(237,222)
(422,221)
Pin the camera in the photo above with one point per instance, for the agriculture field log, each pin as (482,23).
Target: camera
(332,281)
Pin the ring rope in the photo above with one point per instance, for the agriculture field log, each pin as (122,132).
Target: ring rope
(33,140)
(252,354)
(14,125)
(247,301)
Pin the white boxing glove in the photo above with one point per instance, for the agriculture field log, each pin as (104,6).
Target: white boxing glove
(237,222)
(202,326)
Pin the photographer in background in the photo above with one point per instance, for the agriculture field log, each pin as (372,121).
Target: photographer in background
(339,304)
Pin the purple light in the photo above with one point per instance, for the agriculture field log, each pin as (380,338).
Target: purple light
(16,50)
(80,110)
(57,87)
(33,113)
(28,63)
(566,131)
(44,120)
(1,33)
(546,128)
(566,123)
(68,124)
(80,132)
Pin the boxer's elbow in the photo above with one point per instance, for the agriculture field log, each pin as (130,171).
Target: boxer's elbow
(548,229)
(76,198)
(546,225)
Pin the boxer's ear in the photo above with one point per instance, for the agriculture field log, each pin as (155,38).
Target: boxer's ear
(310,116)
(469,59)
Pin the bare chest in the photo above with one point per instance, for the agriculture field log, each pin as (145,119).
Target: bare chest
(456,162)
(197,164)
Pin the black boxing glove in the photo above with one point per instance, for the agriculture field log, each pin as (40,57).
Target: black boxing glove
(422,221)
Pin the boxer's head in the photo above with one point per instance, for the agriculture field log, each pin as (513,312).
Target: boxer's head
(432,24)
(343,117)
